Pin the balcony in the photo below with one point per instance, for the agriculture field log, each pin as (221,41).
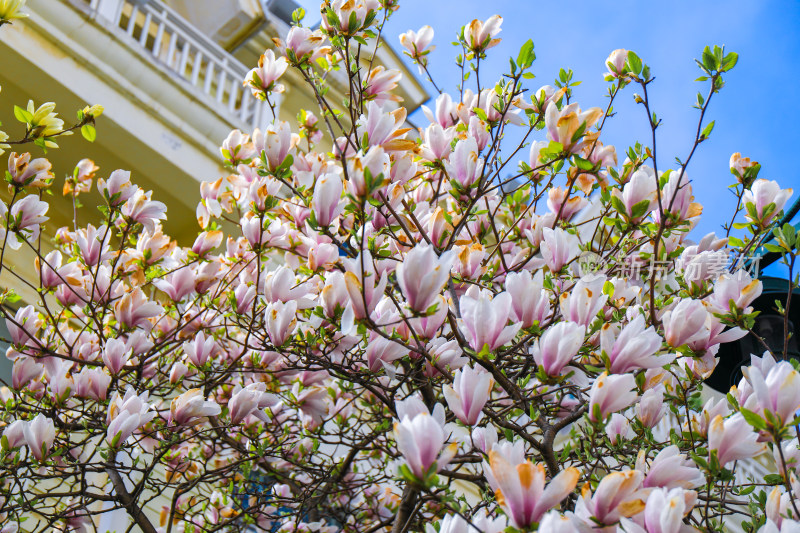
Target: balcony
(164,37)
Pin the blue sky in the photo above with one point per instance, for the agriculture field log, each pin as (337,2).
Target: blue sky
(756,113)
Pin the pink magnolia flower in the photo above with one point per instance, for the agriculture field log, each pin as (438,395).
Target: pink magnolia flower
(444,111)
(140,208)
(91,383)
(118,189)
(303,45)
(422,275)
(417,43)
(380,83)
(464,165)
(351,15)
(480,36)
(484,318)
(671,469)
(558,201)
(252,399)
(27,173)
(764,200)
(115,355)
(685,322)
(520,488)
(584,301)
(420,440)
(177,284)
(618,429)
(200,349)
(563,125)
(436,142)
(281,320)
(363,285)
(126,415)
(738,288)
(134,309)
(92,244)
(25,215)
(327,201)
(237,147)
(732,439)
(207,241)
(666,509)
(273,144)
(650,408)
(676,198)
(639,194)
(618,495)
(262,79)
(610,394)
(778,392)
(192,408)
(616,63)
(558,248)
(40,434)
(25,371)
(375,162)
(557,346)
(382,351)
(469,393)
(14,434)
(529,300)
(632,348)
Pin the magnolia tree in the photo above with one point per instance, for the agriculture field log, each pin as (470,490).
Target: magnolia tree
(379,329)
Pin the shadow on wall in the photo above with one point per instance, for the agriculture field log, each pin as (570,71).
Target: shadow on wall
(5,364)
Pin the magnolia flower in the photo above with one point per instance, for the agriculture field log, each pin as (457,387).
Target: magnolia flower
(732,439)
(685,322)
(666,508)
(420,440)
(586,299)
(480,36)
(376,164)
(380,83)
(422,275)
(381,351)
(763,201)
(44,122)
(650,408)
(563,125)
(632,348)
(237,147)
(520,488)
(303,45)
(327,200)
(529,300)
(252,399)
(638,196)
(261,79)
(40,433)
(10,10)
(469,393)
(417,44)
(671,469)
(126,415)
(738,288)
(273,144)
(134,309)
(463,165)
(281,319)
(558,248)
(557,346)
(27,173)
(115,355)
(200,349)
(739,166)
(191,408)
(350,16)
(140,208)
(484,318)
(617,495)
(618,428)
(676,198)
(610,394)
(14,434)
(118,189)
(778,392)
(616,63)
(362,285)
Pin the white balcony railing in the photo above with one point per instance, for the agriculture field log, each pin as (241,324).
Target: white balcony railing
(168,39)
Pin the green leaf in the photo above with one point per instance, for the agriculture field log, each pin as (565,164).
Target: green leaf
(634,63)
(88,132)
(753,419)
(730,61)
(710,60)
(22,115)
(707,130)
(526,56)
(583,164)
